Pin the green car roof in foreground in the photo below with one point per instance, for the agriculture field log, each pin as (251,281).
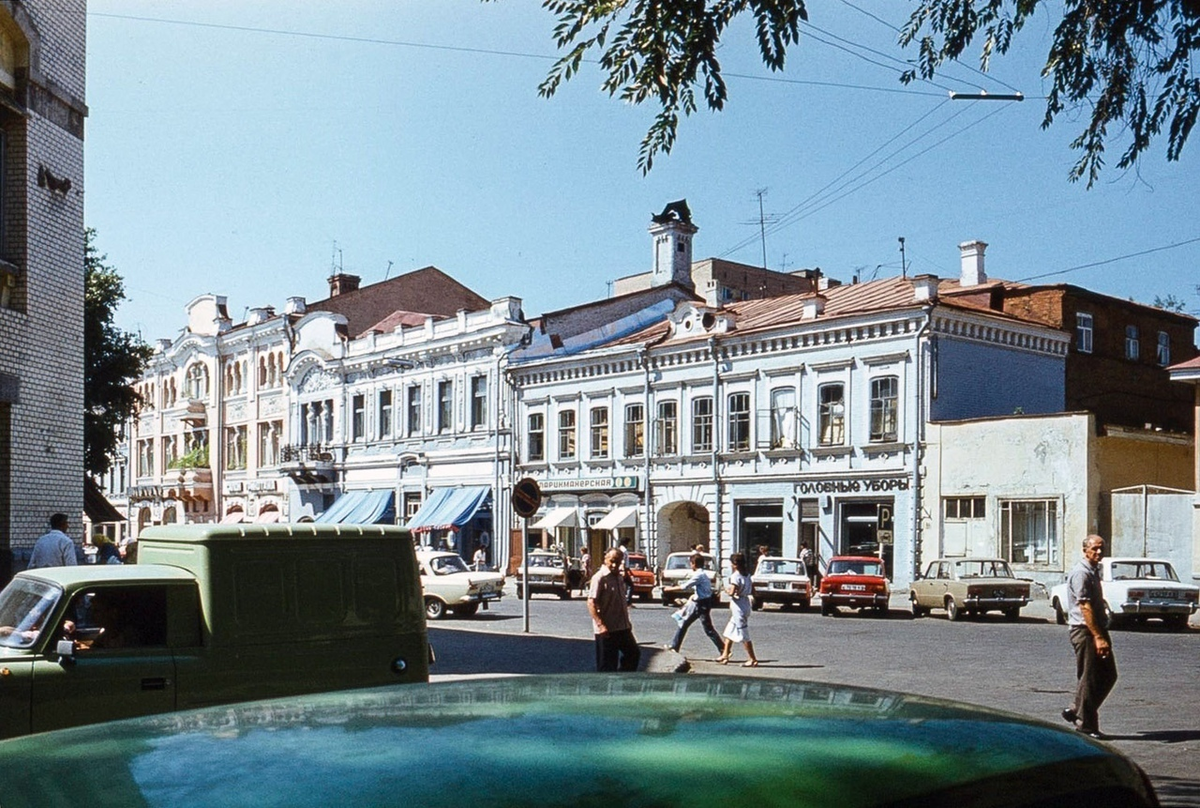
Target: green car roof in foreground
(588,740)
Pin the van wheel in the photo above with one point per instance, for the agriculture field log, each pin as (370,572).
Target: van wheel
(434,609)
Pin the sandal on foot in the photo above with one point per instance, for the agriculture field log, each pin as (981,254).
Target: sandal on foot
(752,663)
(722,660)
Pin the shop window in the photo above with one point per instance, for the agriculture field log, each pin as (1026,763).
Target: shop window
(635,430)
(414,410)
(599,432)
(702,424)
(536,437)
(668,428)
(445,392)
(1132,345)
(884,405)
(1029,531)
(831,414)
(1084,332)
(566,435)
(1164,349)
(739,422)
(783,418)
(479,402)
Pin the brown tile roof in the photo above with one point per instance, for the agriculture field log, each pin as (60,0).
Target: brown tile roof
(428,291)
(397,319)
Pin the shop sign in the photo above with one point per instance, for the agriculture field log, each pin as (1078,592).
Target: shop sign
(868,486)
(627,482)
(261,486)
(233,486)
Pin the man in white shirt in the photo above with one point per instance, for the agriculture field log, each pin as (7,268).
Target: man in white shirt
(55,548)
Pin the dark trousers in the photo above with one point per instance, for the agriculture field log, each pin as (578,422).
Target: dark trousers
(617,651)
(1096,675)
(703,613)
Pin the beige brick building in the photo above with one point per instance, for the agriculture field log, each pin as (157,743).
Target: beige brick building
(42,47)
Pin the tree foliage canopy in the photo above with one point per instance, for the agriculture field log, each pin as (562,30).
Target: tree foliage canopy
(1128,64)
(113,359)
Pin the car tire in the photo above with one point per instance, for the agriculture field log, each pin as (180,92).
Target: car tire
(1176,622)
(953,611)
(644,597)
(1012,614)
(756,604)
(1109,617)
(564,594)
(1060,616)
(520,592)
(466,610)
(881,611)
(917,611)
(825,606)
(434,609)
(805,605)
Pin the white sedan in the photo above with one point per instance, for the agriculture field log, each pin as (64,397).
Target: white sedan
(448,584)
(1138,589)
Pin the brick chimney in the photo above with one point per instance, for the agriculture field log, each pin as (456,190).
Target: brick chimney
(672,231)
(342,283)
(972,263)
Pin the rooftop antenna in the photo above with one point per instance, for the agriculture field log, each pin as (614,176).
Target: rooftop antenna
(903,265)
(763,218)
(336,259)
(387,271)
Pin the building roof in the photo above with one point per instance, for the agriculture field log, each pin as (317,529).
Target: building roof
(429,291)
(395,320)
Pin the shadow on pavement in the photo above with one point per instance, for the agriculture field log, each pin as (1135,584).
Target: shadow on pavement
(1175,792)
(460,652)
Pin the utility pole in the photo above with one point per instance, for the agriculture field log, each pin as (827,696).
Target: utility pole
(903,265)
(762,224)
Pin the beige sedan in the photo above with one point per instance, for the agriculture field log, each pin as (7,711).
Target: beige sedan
(968,586)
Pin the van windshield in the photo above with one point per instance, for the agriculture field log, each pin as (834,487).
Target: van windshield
(24,607)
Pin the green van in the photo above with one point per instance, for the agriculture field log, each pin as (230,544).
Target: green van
(211,614)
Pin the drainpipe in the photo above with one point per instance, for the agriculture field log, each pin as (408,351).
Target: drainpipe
(918,442)
(716,437)
(647,434)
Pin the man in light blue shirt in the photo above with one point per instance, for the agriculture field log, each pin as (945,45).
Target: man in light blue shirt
(1095,665)
(55,548)
(699,582)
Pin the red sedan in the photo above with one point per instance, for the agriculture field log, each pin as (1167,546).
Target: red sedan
(858,582)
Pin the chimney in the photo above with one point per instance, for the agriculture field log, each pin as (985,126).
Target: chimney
(972,263)
(295,305)
(342,283)
(925,288)
(812,307)
(672,231)
(260,314)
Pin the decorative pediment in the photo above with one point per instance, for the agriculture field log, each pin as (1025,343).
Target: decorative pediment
(691,319)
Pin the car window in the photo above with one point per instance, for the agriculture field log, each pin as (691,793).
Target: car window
(677,562)
(445,565)
(872,569)
(114,617)
(24,607)
(637,563)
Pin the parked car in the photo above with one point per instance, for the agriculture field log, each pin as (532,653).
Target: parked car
(968,586)
(550,572)
(675,570)
(642,575)
(583,740)
(857,582)
(447,583)
(781,580)
(1138,589)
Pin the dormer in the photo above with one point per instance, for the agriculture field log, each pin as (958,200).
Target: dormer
(208,316)
(672,231)
(690,319)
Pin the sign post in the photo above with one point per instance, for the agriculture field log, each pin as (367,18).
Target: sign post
(526,499)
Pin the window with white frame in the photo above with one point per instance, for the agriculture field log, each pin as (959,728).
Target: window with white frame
(413,409)
(668,428)
(1164,349)
(1133,349)
(146,457)
(170,451)
(197,382)
(783,418)
(478,402)
(739,422)
(235,447)
(566,435)
(1029,531)
(1084,332)
(385,414)
(445,406)
(270,434)
(702,424)
(884,407)
(536,437)
(358,417)
(831,414)
(598,420)
(635,430)
(964,507)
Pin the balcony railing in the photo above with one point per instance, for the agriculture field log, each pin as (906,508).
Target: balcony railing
(305,453)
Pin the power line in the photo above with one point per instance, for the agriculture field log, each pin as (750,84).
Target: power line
(1110,260)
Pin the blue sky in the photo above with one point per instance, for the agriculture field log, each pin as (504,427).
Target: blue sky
(242,148)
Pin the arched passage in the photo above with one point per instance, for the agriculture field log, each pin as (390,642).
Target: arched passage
(681,526)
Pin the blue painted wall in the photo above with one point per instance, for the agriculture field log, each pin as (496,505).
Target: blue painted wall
(976,380)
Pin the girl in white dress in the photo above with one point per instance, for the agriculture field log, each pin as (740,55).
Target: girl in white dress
(738,628)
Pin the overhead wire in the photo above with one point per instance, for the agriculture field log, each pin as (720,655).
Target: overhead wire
(1125,257)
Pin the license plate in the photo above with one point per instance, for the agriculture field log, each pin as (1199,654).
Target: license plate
(855,587)
(1164,594)
(778,585)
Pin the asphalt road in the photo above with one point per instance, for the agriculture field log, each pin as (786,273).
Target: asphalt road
(1027,667)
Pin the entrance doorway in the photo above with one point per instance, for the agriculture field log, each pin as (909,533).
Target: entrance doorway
(862,534)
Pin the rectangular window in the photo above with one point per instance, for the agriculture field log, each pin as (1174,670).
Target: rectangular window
(1164,349)
(536,446)
(170,452)
(668,428)
(739,422)
(702,424)
(1132,349)
(635,430)
(1083,332)
(599,425)
(358,417)
(414,410)
(831,414)
(1029,531)
(445,420)
(479,402)
(385,414)
(146,457)
(235,448)
(965,507)
(566,435)
(884,402)
(269,435)
(783,418)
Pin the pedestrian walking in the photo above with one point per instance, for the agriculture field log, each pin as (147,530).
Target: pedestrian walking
(616,648)
(585,570)
(738,628)
(701,586)
(479,560)
(54,548)
(106,550)
(1095,664)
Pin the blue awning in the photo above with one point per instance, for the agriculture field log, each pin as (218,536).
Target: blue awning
(448,508)
(370,507)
